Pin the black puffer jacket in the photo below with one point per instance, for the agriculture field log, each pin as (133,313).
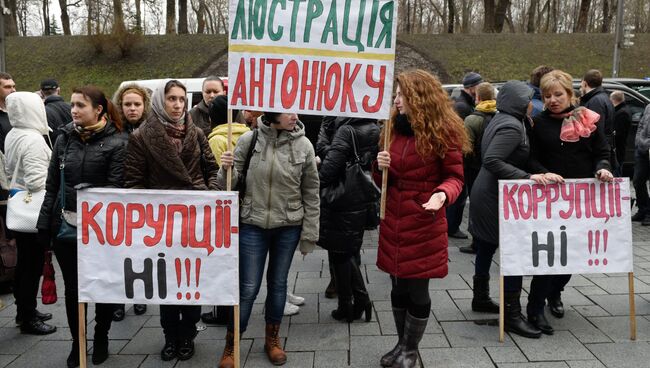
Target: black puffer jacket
(464,104)
(341,229)
(97,161)
(58,114)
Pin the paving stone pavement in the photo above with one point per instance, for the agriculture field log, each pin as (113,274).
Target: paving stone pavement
(594,332)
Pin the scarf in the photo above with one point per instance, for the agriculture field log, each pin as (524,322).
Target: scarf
(580,122)
(403,126)
(175,128)
(487,106)
(86,132)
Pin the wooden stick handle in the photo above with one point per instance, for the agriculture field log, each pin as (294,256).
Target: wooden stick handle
(501,310)
(630,278)
(236,345)
(82,335)
(229,149)
(384,176)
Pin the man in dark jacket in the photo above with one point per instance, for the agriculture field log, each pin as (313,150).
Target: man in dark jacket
(595,98)
(622,123)
(7,86)
(58,111)
(464,105)
(212,87)
(642,168)
(535,78)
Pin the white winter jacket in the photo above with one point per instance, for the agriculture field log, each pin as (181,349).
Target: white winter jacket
(25,146)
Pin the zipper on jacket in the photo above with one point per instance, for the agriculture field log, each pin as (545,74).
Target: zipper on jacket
(268,203)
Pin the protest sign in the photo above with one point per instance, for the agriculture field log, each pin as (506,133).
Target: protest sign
(580,226)
(158,247)
(321,57)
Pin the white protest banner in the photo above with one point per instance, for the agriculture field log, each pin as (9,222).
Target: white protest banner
(158,246)
(320,57)
(580,226)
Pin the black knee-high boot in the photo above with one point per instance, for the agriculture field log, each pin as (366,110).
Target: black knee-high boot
(362,302)
(343,271)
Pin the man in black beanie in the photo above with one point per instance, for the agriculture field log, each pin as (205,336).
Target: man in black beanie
(465,103)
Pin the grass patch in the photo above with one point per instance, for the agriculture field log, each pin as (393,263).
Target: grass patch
(72,60)
(513,56)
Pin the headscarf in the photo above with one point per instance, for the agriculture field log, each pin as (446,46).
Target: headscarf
(175,128)
(158,106)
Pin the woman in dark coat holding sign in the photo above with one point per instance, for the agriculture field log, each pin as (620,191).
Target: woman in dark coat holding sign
(168,152)
(425,174)
(343,222)
(557,146)
(505,151)
(93,149)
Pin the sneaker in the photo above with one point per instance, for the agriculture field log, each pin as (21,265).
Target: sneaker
(295,299)
(290,309)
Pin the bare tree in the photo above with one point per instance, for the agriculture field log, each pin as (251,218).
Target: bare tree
(452,12)
(11,20)
(532,9)
(583,16)
(118,17)
(182,17)
(488,17)
(500,14)
(46,17)
(171,17)
(138,15)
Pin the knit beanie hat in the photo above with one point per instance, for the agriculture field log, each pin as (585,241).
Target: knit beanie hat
(219,110)
(472,79)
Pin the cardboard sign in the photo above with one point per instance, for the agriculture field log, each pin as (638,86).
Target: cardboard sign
(158,246)
(318,57)
(580,226)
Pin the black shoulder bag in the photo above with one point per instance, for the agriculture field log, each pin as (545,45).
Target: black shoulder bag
(68,229)
(356,186)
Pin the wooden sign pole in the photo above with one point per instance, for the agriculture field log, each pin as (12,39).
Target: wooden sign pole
(501,310)
(82,335)
(384,177)
(229,188)
(630,277)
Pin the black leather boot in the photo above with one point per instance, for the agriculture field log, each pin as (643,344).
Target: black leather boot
(539,320)
(399,315)
(413,332)
(73,357)
(362,303)
(100,350)
(514,321)
(482,301)
(343,272)
(556,306)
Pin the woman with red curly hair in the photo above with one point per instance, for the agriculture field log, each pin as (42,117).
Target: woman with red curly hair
(425,173)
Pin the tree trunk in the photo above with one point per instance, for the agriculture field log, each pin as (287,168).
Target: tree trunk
(554,17)
(451,15)
(182,17)
(11,20)
(89,11)
(488,17)
(170,26)
(46,17)
(138,16)
(200,16)
(530,27)
(500,15)
(118,17)
(583,16)
(65,18)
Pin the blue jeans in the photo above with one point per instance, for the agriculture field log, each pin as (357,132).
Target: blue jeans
(255,244)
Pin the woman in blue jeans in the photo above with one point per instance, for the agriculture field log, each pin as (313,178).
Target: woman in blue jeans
(279,212)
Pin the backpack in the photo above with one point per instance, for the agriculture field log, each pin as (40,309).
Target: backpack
(487,117)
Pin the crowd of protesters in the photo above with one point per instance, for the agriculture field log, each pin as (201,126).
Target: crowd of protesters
(436,151)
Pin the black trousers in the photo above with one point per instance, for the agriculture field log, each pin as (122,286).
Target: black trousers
(179,321)
(66,256)
(29,268)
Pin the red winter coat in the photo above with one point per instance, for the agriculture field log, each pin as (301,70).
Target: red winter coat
(412,242)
